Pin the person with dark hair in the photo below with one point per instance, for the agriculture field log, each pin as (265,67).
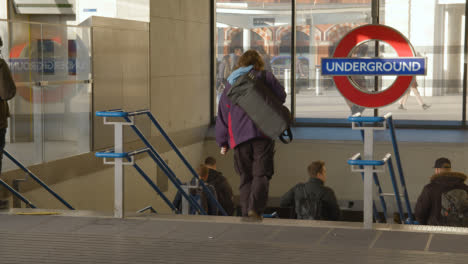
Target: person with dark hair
(313,200)
(266,58)
(7,92)
(235,55)
(224,70)
(198,194)
(224,193)
(444,201)
(253,151)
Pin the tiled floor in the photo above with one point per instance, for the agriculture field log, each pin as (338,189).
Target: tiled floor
(197,239)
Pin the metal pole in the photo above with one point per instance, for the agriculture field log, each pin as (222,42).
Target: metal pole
(375,20)
(293,60)
(153,185)
(368,171)
(118,172)
(465,69)
(317,80)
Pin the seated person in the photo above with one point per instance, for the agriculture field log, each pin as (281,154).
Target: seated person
(198,194)
(313,200)
(444,201)
(221,185)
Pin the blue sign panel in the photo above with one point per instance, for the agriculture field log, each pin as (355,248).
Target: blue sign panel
(373,66)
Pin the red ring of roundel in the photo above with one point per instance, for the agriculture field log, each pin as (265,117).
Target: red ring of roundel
(373,32)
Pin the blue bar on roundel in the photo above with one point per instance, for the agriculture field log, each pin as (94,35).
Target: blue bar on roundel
(374,66)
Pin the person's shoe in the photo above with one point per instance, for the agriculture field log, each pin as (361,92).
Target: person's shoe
(401,107)
(254,217)
(425,106)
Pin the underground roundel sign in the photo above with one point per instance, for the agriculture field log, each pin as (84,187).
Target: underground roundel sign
(342,66)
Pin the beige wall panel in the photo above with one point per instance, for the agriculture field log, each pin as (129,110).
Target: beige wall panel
(135,78)
(162,46)
(194,62)
(195,10)
(165,8)
(121,74)
(107,86)
(160,93)
(95,191)
(292,160)
(204,50)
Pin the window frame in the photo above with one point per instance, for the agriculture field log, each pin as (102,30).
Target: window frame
(341,122)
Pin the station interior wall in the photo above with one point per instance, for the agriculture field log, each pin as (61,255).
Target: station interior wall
(178,95)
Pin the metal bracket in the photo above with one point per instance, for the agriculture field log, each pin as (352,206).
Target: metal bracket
(354,127)
(131,162)
(355,168)
(131,123)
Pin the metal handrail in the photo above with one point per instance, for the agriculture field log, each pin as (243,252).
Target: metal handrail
(389,119)
(17,194)
(111,154)
(157,158)
(165,168)
(35,178)
(154,155)
(400,169)
(149,207)
(356,160)
(396,190)
(155,187)
(187,164)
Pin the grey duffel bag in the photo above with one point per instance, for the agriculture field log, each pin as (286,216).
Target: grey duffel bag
(262,105)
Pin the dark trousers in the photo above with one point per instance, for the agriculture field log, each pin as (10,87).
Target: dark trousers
(253,161)
(2,145)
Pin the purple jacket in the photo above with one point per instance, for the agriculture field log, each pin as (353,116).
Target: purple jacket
(233,126)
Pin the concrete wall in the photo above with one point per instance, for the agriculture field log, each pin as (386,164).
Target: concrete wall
(120,72)
(180,63)
(179,98)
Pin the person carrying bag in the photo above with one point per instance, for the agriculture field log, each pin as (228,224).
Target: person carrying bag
(254,148)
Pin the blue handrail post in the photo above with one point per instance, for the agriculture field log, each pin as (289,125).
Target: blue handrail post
(35,178)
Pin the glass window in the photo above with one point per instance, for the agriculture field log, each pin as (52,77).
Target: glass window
(436,30)
(263,25)
(320,25)
(50,114)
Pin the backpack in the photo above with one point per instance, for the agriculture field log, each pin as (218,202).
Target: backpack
(454,208)
(309,206)
(262,105)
